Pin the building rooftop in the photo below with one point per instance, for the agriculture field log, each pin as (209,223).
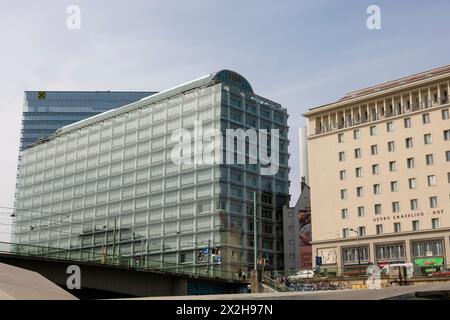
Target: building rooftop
(380,88)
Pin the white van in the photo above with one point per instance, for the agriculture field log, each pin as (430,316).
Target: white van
(395,269)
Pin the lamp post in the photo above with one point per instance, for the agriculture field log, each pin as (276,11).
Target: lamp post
(357,249)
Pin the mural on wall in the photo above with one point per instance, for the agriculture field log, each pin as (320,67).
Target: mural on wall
(329,255)
(305,236)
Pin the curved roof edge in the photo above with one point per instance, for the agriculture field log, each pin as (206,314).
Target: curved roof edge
(225,76)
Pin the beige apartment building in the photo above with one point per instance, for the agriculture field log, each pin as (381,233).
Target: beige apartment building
(379,172)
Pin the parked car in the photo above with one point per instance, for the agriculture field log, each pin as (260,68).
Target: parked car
(302,274)
(442,273)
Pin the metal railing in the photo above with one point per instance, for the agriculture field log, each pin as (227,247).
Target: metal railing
(138,262)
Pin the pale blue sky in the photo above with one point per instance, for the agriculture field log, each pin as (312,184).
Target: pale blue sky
(299,53)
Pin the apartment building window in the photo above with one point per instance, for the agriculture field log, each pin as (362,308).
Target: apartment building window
(435,223)
(344,213)
(407,122)
(426,118)
(433,202)
(373,130)
(374,149)
(409,142)
(358,172)
(431,180)
(415,225)
(391,146)
(445,114)
(414,204)
(390,126)
(356,134)
(395,206)
(392,166)
(412,183)
(343,174)
(342,156)
(360,211)
(447,155)
(379,228)
(359,192)
(448,177)
(427,138)
(447,135)
(377,209)
(344,194)
(340,137)
(375,169)
(376,189)
(410,163)
(357,153)
(429,159)
(362,231)
(394,186)
(397,227)
(345,233)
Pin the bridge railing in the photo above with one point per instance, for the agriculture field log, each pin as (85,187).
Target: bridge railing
(140,262)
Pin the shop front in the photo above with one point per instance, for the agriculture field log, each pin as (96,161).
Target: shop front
(428,256)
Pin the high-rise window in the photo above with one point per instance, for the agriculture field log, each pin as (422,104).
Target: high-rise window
(376,189)
(435,223)
(359,192)
(344,194)
(433,202)
(344,213)
(397,227)
(445,114)
(342,156)
(412,183)
(390,126)
(431,180)
(427,138)
(410,163)
(379,229)
(429,159)
(343,174)
(394,186)
(377,209)
(447,155)
(414,204)
(345,233)
(373,130)
(395,206)
(375,169)
(426,118)
(356,134)
(392,166)
(358,172)
(374,149)
(340,137)
(357,153)
(415,225)
(360,211)
(447,135)
(448,177)
(362,231)
(391,146)
(409,142)
(407,122)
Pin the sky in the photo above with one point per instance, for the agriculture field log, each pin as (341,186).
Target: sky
(301,54)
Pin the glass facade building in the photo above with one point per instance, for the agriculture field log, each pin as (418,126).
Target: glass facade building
(46,111)
(109,183)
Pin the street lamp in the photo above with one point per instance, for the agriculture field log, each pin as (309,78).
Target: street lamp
(357,249)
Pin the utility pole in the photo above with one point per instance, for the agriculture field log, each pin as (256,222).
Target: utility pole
(255,237)
(114,240)
(208,256)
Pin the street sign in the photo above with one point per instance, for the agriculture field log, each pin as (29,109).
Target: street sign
(318,260)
